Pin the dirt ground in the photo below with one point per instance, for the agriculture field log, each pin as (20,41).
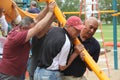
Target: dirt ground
(111,72)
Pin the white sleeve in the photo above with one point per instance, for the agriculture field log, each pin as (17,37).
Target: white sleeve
(4,24)
(64,52)
(18,19)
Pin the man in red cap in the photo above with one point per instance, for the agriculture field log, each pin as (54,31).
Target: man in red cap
(78,67)
(51,52)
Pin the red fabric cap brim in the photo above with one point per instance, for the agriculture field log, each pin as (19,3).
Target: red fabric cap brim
(79,27)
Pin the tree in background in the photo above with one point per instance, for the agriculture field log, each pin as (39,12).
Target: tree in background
(73,6)
(68,6)
(107,5)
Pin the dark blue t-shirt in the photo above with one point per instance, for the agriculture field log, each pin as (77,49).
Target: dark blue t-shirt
(78,67)
(34,10)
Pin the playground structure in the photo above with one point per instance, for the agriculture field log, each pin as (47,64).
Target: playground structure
(102,12)
(116,14)
(112,44)
(62,20)
(115,36)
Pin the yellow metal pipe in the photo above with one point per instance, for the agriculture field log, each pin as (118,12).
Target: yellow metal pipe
(92,64)
(107,11)
(88,59)
(59,15)
(116,14)
(102,12)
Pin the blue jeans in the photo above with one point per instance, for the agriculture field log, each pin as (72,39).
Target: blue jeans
(32,65)
(44,74)
(22,77)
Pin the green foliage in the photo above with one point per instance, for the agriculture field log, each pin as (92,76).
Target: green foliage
(73,6)
(108,5)
(68,6)
(108,33)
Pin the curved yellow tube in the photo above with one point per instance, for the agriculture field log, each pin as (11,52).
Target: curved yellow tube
(116,14)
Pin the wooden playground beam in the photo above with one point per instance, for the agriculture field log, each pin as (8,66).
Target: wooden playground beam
(116,14)
(88,59)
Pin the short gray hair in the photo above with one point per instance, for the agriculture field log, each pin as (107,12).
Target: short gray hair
(33,3)
(26,21)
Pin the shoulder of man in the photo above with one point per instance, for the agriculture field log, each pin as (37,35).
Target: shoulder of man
(57,34)
(95,40)
(56,31)
(95,43)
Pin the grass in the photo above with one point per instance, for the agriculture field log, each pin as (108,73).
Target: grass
(107,31)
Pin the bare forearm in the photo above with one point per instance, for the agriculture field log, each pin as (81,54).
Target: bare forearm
(39,26)
(3,33)
(14,6)
(45,30)
(71,59)
(77,51)
(1,14)
(41,15)
(44,22)
(16,12)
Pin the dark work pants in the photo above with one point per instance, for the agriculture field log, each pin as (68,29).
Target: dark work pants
(7,77)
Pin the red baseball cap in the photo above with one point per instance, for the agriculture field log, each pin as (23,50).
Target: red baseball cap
(75,22)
